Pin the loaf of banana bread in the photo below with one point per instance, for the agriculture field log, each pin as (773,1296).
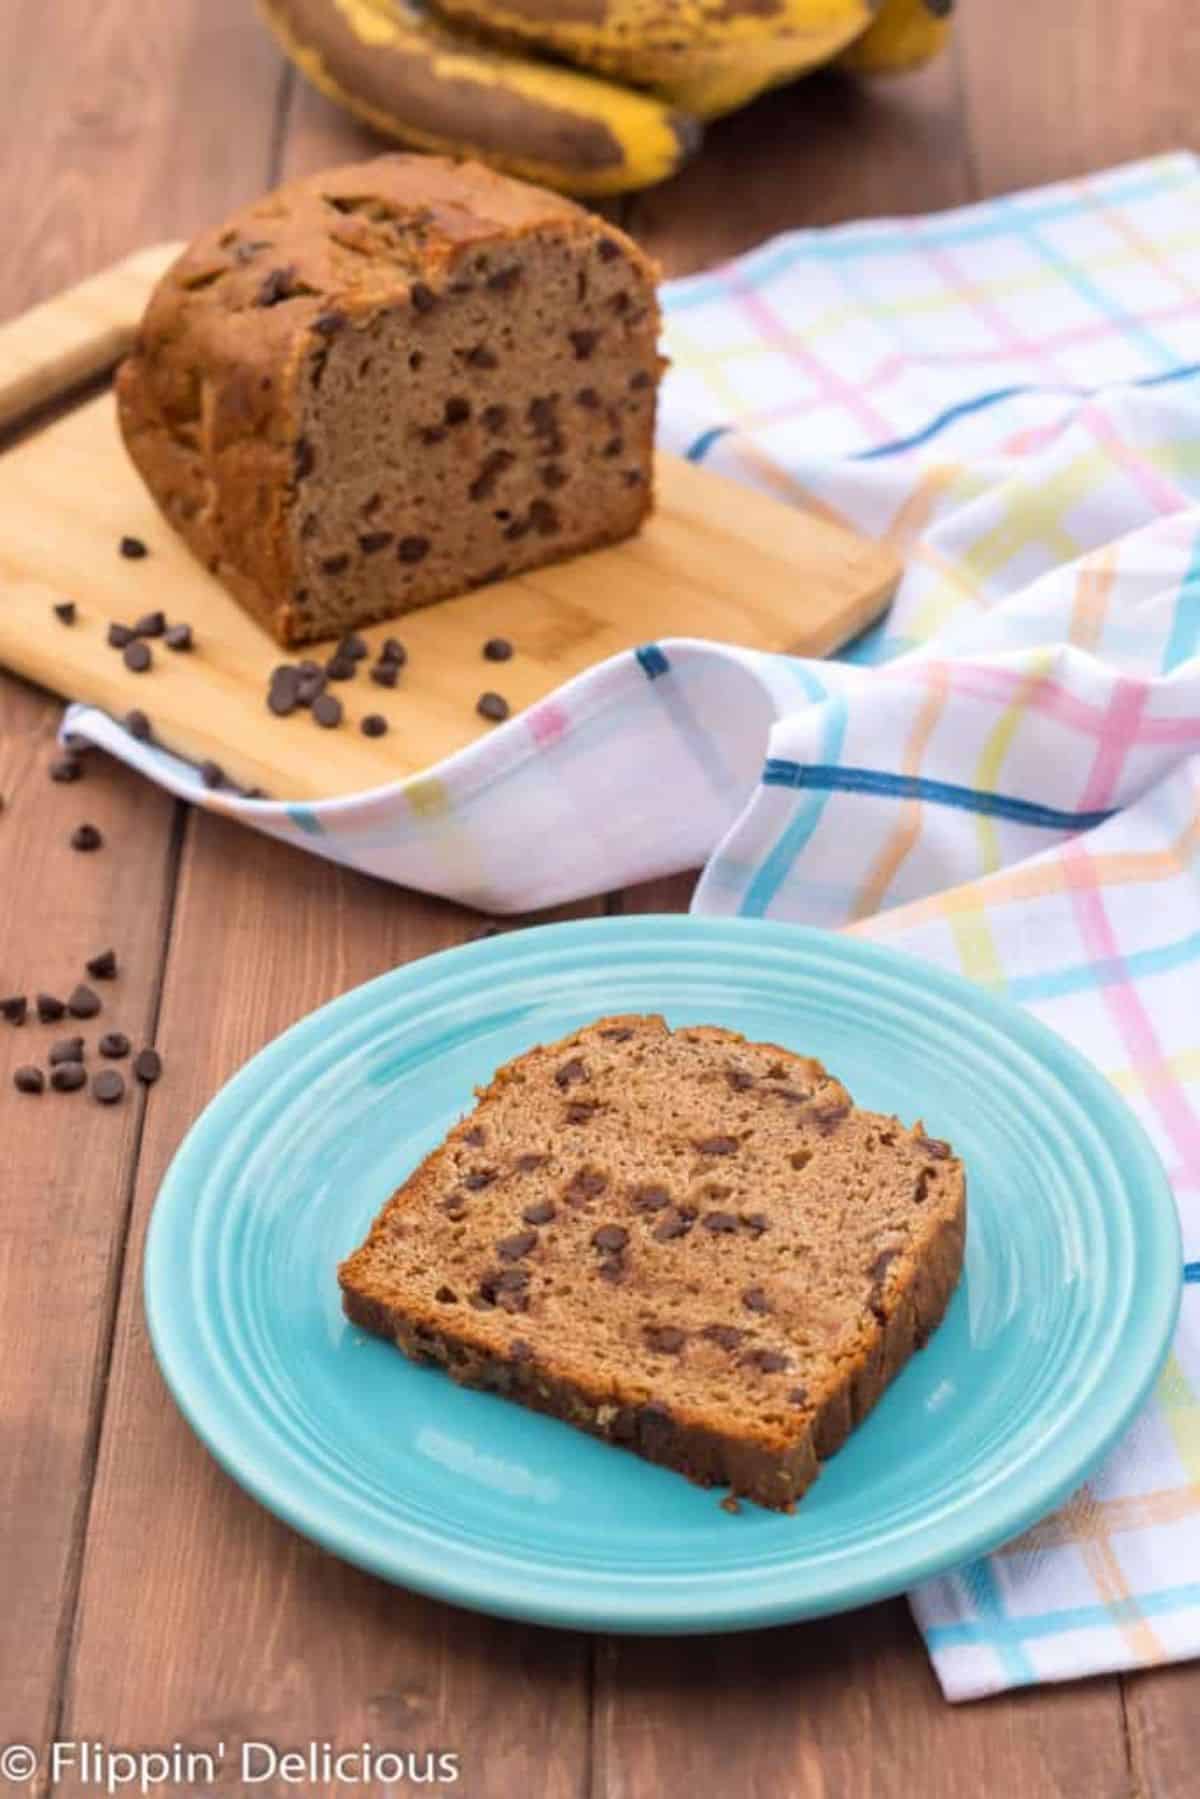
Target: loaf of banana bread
(388,383)
(689,1244)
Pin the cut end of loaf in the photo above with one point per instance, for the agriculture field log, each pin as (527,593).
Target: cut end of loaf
(691,1245)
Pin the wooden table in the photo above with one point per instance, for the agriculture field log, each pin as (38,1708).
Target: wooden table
(143,1598)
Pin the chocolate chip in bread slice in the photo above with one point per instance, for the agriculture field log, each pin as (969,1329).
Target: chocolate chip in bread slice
(691,1245)
(384,384)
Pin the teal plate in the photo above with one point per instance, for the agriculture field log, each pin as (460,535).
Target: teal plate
(1050,1346)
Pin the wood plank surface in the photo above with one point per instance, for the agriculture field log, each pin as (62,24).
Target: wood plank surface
(199,1615)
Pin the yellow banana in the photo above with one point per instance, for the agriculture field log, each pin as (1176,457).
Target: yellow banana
(706,56)
(439,89)
(907,34)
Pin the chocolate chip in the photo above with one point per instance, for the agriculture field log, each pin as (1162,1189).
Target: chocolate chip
(147,1065)
(583,343)
(422,297)
(341,668)
(827,1118)
(497,649)
(108,1087)
(755,1300)
(392,650)
(433,434)
(769,1360)
(588,398)
(719,1221)
(640,378)
(327,711)
(494,418)
(66,768)
(371,542)
(15,1008)
(650,1199)
(83,1002)
(446,1296)
(336,565)
(543,517)
(29,1080)
(505,1287)
(103,967)
(553,475)
(478,1179)
(613,447)
(64,612)
(67,1049)
(67,1077)
(412,549)
(49,1009)
(921,1187)
(739,1080)
(137,656)
(586,1184)
(212,774)
(483,358)
(581,1111)
(114,1045)
(119,636)
(541,1212)
(612,1269)
(610,1237)
(493,466)
(675,1224)
(283,695)
(756,1222)
(511,1249)
(138,725)
(385,674)
(457,410)
(716,1146)
(571,1073)
(328,324)
(151,624)
(526,1165)
(727,1335)
(933,1146)
(798,1396)
(277,286)
(304,459)
(608,249)
(132,548)
(474,1137)
(374,725)
(492,706)
(664,1339)
(86,837)
(503,280)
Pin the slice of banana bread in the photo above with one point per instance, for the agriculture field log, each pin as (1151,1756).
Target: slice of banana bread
(692,1245)
(387,383)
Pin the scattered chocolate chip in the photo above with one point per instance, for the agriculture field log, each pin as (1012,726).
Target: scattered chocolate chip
(108,1087)
(755,1300)
(147,1065)
(933,1146)
(613,447)
(277,286)
(336,565)
(422,297)
(756,1222)
(119,636)
(739,1080)
(493,466)
(103,967)
(798,1396)
(503,280)
(571,1073)
(354,648)
(412,549)
(385,674)
(541,1212)
(583,343)
(769,1360)
(921,1187)
(457,410)
(66,768)
(827,1118)
(65,612)
(527,1163)
(474,1137)
(138,725)
(371,542)
(728,1336)
(151,624)
(492,706)
(49,1009)
(327,711)
(620,1034)
(341,668)
(581,1111)
(650,1199)
(283,695)
(446,1296)
(114,1045)
(640,378)
(610,1237)
(588,398)
(328,324)
(719,1222)
(67,1049)
(392,650)
(494,418)
(15,1008)
(543,517)
(612,1269)
(553,476)
(511,1249)
(212,775)
(29,1080)
(608,249)
(86,837)
(67,1077)
(137,656)
(133,548)
(497,649)
(586,1184)
(433,434)
(675,1224)
(374,725)
(664,1339)
(483,358)
(716,1146)
(83,1002)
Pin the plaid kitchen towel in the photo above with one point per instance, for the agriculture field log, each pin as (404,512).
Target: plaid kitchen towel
(1003,777)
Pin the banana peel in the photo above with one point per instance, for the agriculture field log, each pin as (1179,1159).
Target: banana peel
(413,78)
(617,103)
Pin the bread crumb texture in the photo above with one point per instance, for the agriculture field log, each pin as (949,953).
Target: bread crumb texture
(691,1245)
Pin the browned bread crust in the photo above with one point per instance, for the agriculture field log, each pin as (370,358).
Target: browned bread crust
(688,1244)
(383,384)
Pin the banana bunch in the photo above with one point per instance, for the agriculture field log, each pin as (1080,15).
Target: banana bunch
(590,96)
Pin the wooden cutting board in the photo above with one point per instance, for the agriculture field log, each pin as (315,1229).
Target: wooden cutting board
(717,560)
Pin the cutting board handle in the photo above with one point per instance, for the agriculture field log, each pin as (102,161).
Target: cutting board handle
(77,335)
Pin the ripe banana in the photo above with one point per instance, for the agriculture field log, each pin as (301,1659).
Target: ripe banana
(706,56)
(906,35)
(441,89)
